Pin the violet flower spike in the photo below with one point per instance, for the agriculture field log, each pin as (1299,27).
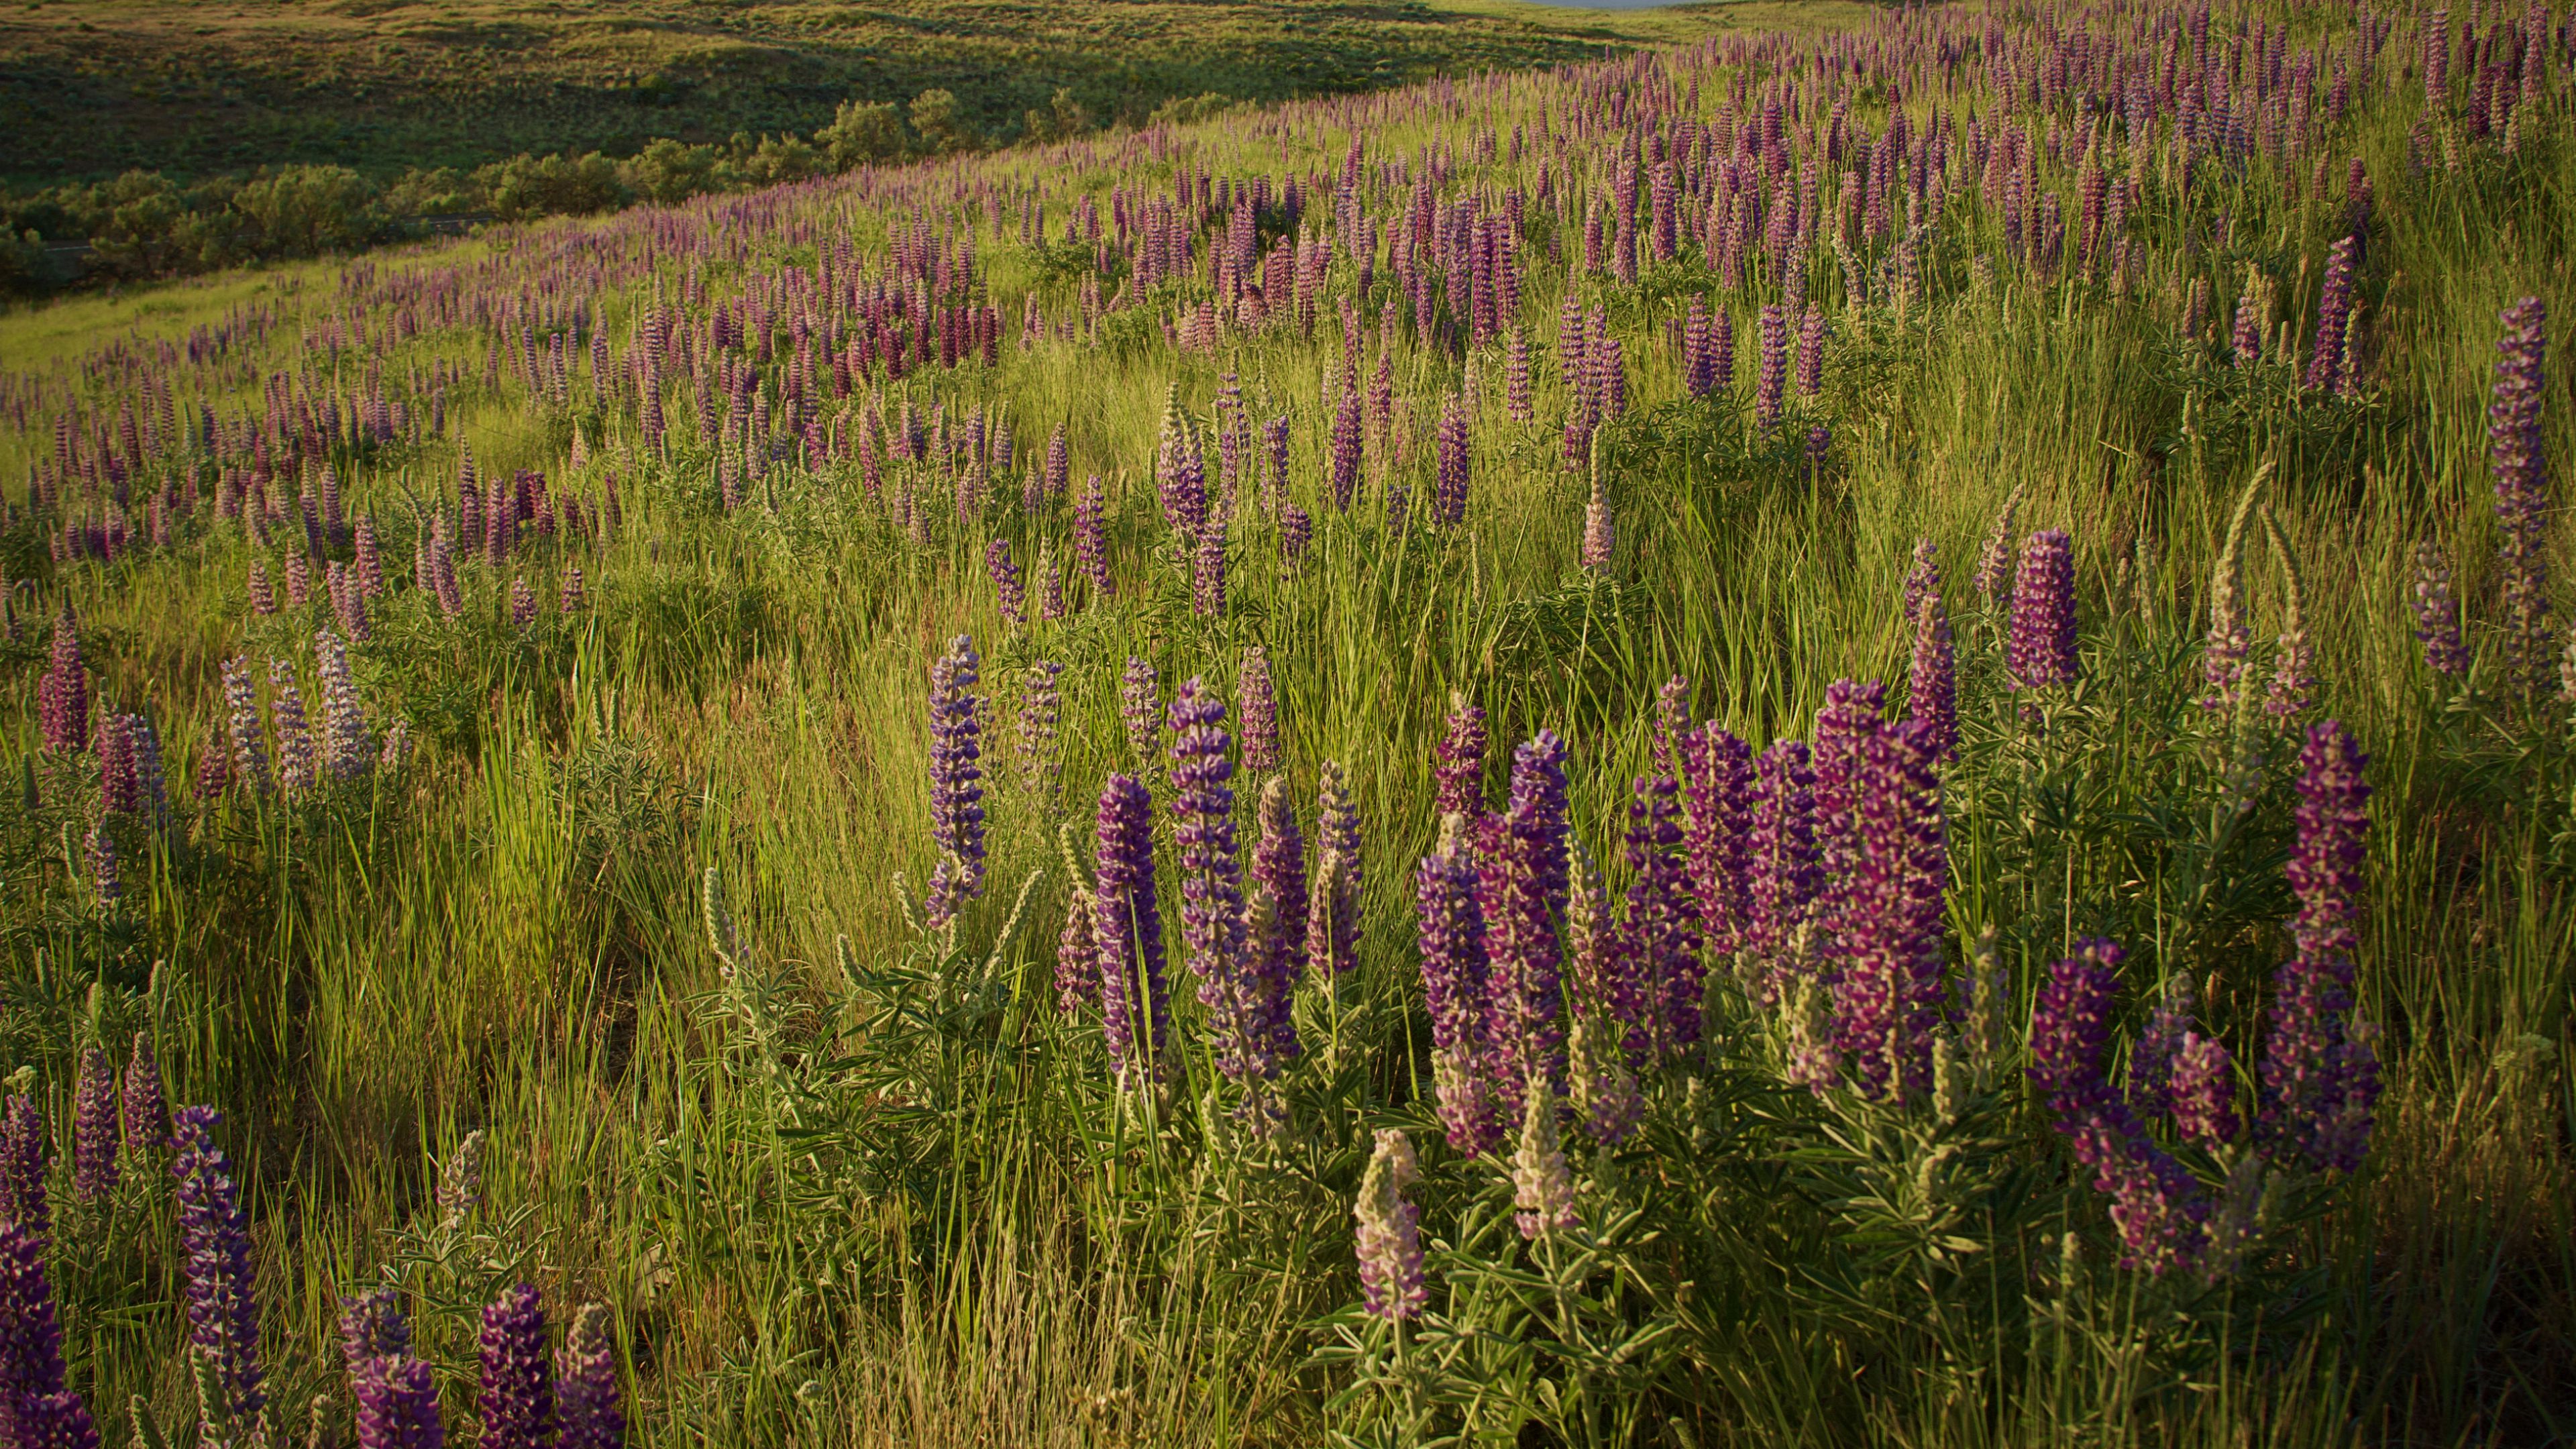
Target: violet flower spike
(2437,614)
(2522,495)
(24,1147)
(516,1399)
(2160,1209)
(144,1111)
(1782,876)
(63,691)
(2320,1077)
(1932,681)
(39,1410)
(223,1309)
(586,1389)
(397,1405)
(1278,910)
(1240,1003)
(1451,927)
(1458,763)
(94,1127)
(2043,614)
(1135,1014)
(1524,892)
(956,783)
(1717,789)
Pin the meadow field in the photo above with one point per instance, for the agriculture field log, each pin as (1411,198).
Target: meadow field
(1856,732)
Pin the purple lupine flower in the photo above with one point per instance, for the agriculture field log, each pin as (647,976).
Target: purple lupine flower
(2204,1091)
(1240,1004)
(1884,913)
(24,1142)
(116,783)
(517,1395)
(2158,1206)
(956,783)
(144,1111)
(223,1313)
(523,604)
(1009,594)
(297,766)
(2320,1075)
(1524,894)
(348,751)
(2328,367)
(1296,532)
(1135,1013)
(214,765)
(397,1405)
(586,1389)
(1672,721)
(1717,795)
(1342,467)
(38,1409)
(1207,571)
(372,1327)
(1811,352)
(1782,876)
(1140,707)
(1932,681)
(1845,724)
(1259,712)
(62,693)
(1091,537)
(2437,615)
(2043,613)
(2246,343)
(1458,764)
(1279,904)
(1658,937)
(263,598)
(151,787)
(1333,900)
(1775,364)
(1517,402)
(1451,925)
(1699,371)
(2521,494)
(1450,502)
(348,601)
(1059,463)
(570,598)
(371,563)
(1389,1237)
(94,1134)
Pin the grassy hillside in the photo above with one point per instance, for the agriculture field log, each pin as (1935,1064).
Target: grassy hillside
(89,88)
(1918,671)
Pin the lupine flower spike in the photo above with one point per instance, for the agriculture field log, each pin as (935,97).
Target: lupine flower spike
(1389,1239)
